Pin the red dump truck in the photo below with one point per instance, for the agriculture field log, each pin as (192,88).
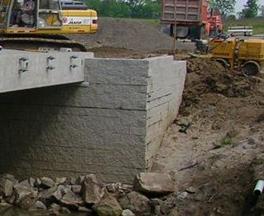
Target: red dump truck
(192,18)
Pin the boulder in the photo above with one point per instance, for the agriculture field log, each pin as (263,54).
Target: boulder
(38,205)
(27,201)
(47,182)
(76,189)
(108,206)
(32,182)
(53,194)
(6,187)
(65,210)
(55,209)
(127,212)
(71,200)
(154,183)
(61,180)
(92,190)
(137,203)
(22,190)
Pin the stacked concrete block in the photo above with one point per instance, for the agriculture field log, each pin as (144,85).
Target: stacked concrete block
(106,125)
(164,94)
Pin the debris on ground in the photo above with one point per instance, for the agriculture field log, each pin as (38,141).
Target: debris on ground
(84,194)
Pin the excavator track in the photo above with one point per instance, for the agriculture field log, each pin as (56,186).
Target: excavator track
(40,43)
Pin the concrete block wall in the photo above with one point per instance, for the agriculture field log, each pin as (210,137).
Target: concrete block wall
(164,94)
(107,125)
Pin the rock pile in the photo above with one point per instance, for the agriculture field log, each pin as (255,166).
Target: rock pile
(86,194)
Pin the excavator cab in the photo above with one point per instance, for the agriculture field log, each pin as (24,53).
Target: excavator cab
(43,25)
(22,16)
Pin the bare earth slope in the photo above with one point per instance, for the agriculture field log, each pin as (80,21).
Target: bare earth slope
(129,34)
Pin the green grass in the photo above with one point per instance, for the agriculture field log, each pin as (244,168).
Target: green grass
(257,23)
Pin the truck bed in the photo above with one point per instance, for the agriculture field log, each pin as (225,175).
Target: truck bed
(184,11)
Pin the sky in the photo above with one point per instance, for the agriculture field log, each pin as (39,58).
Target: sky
(241,3)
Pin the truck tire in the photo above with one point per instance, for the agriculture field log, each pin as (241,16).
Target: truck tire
(181,31)
(251,68)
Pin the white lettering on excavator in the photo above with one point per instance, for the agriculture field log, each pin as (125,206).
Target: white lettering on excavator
(76,20)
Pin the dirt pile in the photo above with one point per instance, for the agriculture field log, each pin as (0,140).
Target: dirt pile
(129,34)
(205,76)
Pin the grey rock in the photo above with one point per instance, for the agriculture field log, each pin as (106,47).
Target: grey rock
(127,212)
(84,209)
(37,182)
(154,183)
(182,195)
(191,190)
(32,182)
(76,189)
(52,194)
(6,186)
(47,182)
(27,201)
(71,199)
(4,204)
(22,190)
(9,177)
(72,180)
(119,188)
(65,210)
(61,180)
(39,205)
(137,203)
(108,206)
(92,190)
(55,209)
(7,182)
(11,199)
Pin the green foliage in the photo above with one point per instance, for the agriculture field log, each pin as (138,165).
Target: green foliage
(251,9)
(227,140)
(130,8)
(224,6)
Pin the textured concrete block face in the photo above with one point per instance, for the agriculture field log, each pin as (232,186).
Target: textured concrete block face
(166,80)
(110,127)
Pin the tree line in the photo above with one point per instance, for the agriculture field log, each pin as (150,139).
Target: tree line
(152,8)
(124,8)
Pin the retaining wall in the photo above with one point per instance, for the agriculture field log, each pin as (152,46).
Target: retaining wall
(110,125)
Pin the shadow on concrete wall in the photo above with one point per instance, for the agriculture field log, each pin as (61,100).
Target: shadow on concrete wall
(25,117)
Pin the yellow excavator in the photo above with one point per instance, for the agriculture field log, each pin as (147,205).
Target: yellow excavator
(43,24)
(245,55)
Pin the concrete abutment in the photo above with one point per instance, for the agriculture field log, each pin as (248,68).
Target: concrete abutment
(112,126)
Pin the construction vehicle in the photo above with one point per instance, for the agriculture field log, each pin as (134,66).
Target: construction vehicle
(42,24)
(192,18)
(246,55)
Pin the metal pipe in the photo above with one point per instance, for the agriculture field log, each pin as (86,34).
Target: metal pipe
(259,187)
